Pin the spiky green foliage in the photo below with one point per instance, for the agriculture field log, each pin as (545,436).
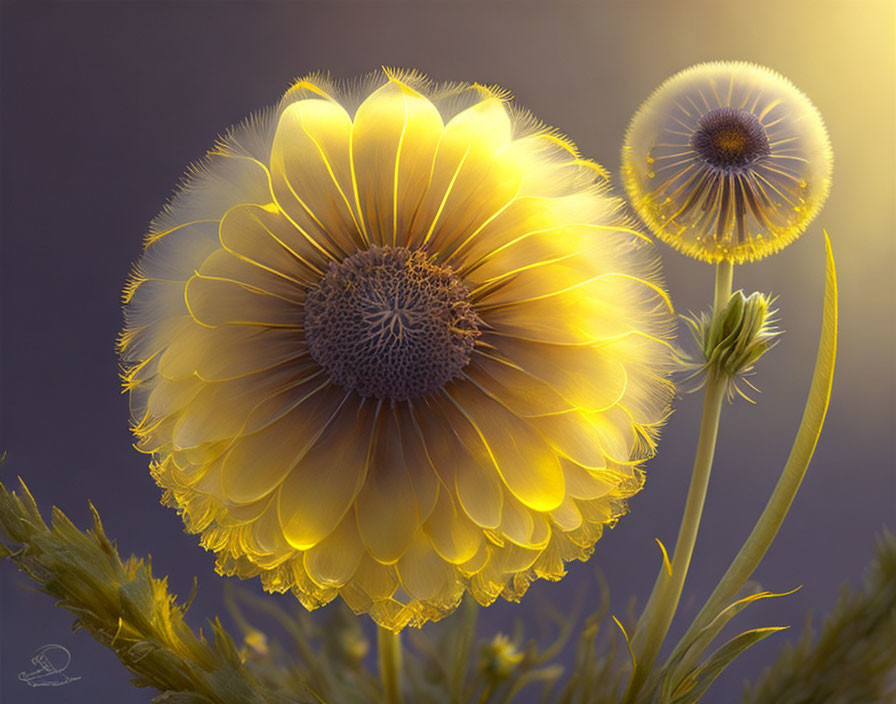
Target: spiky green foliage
(129,611)
(126,609)
(853,661)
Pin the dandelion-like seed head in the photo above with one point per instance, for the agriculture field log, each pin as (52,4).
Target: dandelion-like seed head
(387,323)
(727,161)
(729,139)
(394,342)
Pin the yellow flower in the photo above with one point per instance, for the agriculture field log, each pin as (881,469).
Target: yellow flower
(727,161)
(394,341)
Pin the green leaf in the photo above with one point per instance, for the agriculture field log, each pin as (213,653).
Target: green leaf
(693,650)
(666,563)
(695,684)
(627,642)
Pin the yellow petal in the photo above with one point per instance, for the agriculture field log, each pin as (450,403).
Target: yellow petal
(157,435)
(453,535)
(256,464)
(320,489)
(616,433)
(212,302)
(173,255)
(230,351)
(333,561)
(597,248)
(550,164)
(519,283)
(425,576)
(467,185)
(386,509)
(583,375)
(153,303)
(493,579)
(168,397)
(226,266)
(423,475)
(140,347)
(605,307)
(394,137)
(582,484)
(649,360)
(523,526)
(574,436)
(244,514)
(209,482)
(527,465)
(220,409)
(285,400)
(222,180)
(264,236)
(596,512)
(521,392)
(463,463)
(311,175)
(373,581)
(477,562)
(267,534)
(536,216)
(376,580)
(567,516)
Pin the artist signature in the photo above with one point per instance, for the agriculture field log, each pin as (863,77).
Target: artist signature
(51,661)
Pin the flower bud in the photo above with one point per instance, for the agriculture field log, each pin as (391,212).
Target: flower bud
(734,338)
(255,646)
(354,647)
(500,658)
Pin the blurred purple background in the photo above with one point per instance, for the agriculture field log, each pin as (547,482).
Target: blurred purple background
(105,103)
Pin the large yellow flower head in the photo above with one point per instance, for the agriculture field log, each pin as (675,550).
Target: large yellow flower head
(394,341)
(727,161)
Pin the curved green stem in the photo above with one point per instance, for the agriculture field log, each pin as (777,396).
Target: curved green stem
(654,623)
(766,528)
(724,282)
(389,652)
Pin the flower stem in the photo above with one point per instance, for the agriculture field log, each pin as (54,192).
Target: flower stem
(766,528)
(654,623)
(724,281)
(389,651)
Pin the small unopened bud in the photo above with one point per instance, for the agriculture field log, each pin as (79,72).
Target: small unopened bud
(732,340)
(344,640)
(500,658)
(255,646)
(354,647)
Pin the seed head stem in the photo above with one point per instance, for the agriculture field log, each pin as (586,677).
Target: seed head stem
(657,617)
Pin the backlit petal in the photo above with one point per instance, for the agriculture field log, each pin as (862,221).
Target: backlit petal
(274,451)
(394,138)
(526,463)
(324,482)
(311,175)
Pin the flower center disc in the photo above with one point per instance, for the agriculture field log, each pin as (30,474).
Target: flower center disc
(387,323)
(729,138)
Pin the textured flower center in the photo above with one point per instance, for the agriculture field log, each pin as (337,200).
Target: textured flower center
(729,138)
(388,323)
